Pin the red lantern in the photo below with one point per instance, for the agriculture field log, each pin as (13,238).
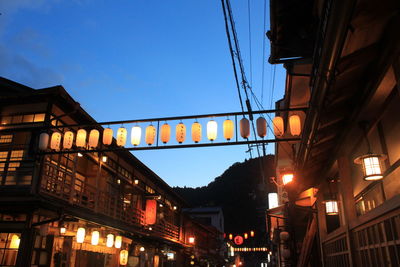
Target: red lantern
(151,211)
(238,240)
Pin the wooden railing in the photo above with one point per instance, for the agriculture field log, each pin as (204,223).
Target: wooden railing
(166,230)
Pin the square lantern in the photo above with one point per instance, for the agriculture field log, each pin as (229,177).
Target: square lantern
(331,207)
(371,166)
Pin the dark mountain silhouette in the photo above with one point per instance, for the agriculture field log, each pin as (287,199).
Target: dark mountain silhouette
(241,191)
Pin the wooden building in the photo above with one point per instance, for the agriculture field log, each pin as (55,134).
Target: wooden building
(343,64)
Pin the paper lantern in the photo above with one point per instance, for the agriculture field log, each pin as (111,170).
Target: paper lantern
(123,257)
(245,128)
(165,133)
(118,241)
(230,236)
(80,235)
(136,134)
(180,132)
(43,141)
(261,127)
(279,129)
(246,236)
(331,207)
(191,240)
(196,132)
(151,211)
(55,141)
(107,136)
(121,136)
(238,240)
(212,129)
(95,238)
(142,249)
(228,129)
(295,125)
(287,178)
(110,240)
(150,134)
(81,138)
(371,166)
(68,140)
(94,138)
(15,240)
(252,233)
(272,200)
(63,230)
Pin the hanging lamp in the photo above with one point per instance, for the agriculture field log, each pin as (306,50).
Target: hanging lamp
(228,129)
(212,130)
(196,132)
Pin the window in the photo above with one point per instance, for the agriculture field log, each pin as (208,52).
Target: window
(9,244)
(150,190)
(26,118)
(5,139)
(370,198)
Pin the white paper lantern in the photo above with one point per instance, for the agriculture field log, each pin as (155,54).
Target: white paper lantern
(81,138)
(121,136)
(165,133)
(55,141)
(107,136)
(80,235)
(228,129)
(272,200)
(245,128)
(136,134)
(150,134)
(261,127)
(43,141)
(110,240)
(180,132)
(94,138)
(212,129)
(279,129)
(95,238)
(118,241)
(196,132)
(295,125)
(123,257)
(68,140)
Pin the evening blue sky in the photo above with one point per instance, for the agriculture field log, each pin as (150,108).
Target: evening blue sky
(136,59)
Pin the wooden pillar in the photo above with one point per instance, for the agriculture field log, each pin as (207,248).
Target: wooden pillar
(26,245)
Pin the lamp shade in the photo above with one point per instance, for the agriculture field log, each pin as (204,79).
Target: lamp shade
(244,128)
(43,141)
(331,207)
(80,235)
(295,125)
(212,130)
(123,257)
(81,138)
(371,166)
(55,141)
(196,132)
(261,127)
(95,238)
(151,211)
(150,134)
(118,241)
(279,128)
(94,138)
(121,136)
(228,129)
(287,178)
(68,140)
(110,240)
(136,134)
(165,133)
(180,132)
(107,136)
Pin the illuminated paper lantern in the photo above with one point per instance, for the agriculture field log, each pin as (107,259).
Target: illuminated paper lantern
(331,207)
(246,236)
(272,200)
(110,240)
(81,138)
(150,134)
(136,134)
(123,257)
(261,127)
(244,128)
(121,136)
(15,240)
(118,241)
(295,125)
(95,238)
(43,141)
(279,129)
(63,230)
(151,211)
(228,129)
(371,166)
(212,129)
(191,240)
(107,136)
(165,133)
(287,178)
(180,132)
(94,138)
(230,236)
(80,235)
(196,132)
(238,240)
(55,141)
(68,140)
(252,233)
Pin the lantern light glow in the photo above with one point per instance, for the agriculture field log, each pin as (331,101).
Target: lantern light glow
(295,125)
(80,235)
(123,257)
(118,241)
(68,139)
(94,138)
(180,132)
(81,138)
(15,240)
(136,134)
(55,141)
(279,129)
(165,133)
(287,178)
(107,136)
(371,166)
(110,240)
(196,132)
(121,136)
(212,130)
(331,207)
(150,134)
(95,238)
(228,129)
(191,240)
(272,200)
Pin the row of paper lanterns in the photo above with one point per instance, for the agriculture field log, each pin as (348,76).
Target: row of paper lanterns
(83,139)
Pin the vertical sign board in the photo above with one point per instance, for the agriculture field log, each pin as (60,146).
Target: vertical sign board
(151,211)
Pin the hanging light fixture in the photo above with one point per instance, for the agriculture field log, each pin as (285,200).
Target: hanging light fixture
(121,136)
(118,241)
(123,257)
(80,235)
(272,200)
(43,141)
(55,141)
(81,138)
(150,134)
(245,128)
(136,134)
(252,233)
(191,240)
(196,132)
(228,129)
(245,235)
(107,136)
(295,125)
(63,230)
(110,240)
(212,130)
(68,140)
(94,138)
(142,249)
(180,132)
(279,128)
(165,133)
(95,238)
(287,177)
(331,207)
(230,236)
(261,127)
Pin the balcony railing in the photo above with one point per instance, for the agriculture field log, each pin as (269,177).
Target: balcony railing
(166,230)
